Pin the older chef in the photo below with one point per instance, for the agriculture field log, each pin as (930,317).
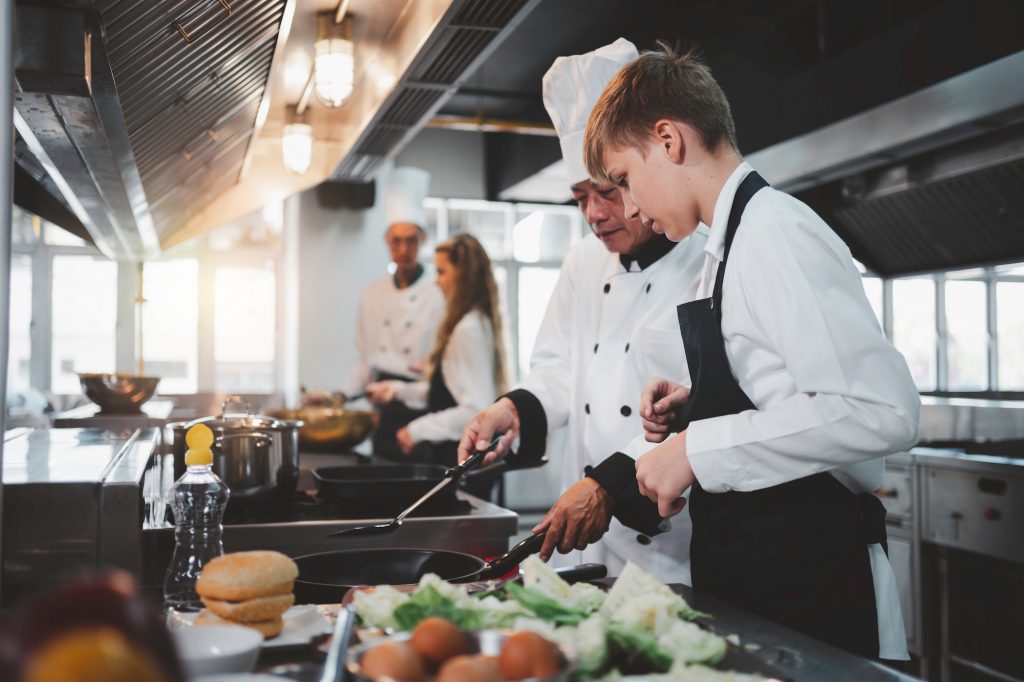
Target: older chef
(398,314)
(609,325)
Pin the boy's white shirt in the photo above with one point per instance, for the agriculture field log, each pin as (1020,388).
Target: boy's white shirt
(832,394)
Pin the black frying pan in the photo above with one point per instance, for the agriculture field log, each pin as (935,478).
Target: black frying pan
(396,482)
(324,578)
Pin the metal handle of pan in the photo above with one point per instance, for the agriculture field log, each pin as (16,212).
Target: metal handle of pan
(515,556)
(456,472)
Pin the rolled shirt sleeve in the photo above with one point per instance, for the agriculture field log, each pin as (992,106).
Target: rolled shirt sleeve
(794,310)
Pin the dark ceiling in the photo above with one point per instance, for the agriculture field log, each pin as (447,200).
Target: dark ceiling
(788,66)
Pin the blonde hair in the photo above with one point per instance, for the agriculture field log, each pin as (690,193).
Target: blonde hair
(475,289)
(660,84)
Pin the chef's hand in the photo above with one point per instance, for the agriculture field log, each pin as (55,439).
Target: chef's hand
(501,417)
(660,403)
(382,392)
(664,474)
(405,442)
(579,518)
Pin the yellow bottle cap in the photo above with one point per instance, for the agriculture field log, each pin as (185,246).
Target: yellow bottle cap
(199,439)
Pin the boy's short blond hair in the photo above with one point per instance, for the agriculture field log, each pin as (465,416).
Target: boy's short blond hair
(659,84)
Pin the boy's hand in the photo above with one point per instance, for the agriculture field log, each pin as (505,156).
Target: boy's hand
(660,405)
(664,474)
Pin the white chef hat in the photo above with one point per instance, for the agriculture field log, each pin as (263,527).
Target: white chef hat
(572,87)
(407,188)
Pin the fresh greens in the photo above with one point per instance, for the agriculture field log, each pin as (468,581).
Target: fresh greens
(545,607)
(428,602)
(634,650)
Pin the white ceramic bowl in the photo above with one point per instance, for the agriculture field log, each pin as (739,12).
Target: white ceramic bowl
(210,649)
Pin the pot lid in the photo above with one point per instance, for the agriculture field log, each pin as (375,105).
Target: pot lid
(242,419)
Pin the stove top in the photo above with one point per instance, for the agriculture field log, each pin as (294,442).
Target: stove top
(308,506)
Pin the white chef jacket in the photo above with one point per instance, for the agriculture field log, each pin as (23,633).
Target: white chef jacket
(467,367)
(395,329)
(805,346)
(607,331)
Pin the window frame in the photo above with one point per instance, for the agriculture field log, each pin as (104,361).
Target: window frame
(41,325)
(991,276)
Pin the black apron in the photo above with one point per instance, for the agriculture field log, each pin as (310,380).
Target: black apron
(795,553)
(393,416)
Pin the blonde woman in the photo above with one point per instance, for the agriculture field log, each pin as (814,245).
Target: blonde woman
(467,369)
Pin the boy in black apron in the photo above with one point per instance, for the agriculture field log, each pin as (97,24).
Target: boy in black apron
(795,398)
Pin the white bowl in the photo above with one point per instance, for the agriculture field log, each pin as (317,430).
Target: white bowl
(209,649)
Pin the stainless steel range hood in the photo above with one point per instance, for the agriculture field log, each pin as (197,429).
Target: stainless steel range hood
(932,181)
(150,123)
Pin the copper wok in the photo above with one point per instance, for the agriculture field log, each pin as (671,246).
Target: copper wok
(330,427)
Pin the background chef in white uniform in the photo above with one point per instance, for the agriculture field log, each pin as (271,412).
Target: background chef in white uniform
(609,325)
(398,313)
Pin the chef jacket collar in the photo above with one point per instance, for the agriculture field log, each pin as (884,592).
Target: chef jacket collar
(715,246)
(416,274)
(648,254)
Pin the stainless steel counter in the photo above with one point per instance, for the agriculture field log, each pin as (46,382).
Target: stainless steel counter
(787,654)
(72,502)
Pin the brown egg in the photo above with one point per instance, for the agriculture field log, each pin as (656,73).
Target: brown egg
(527,654)
(467,669)
(393,661)
(437,640)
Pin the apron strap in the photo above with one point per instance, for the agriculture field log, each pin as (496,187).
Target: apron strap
(750,186)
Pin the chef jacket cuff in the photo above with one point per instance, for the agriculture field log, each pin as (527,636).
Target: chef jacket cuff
(533,425)
(615,474)
(712,454)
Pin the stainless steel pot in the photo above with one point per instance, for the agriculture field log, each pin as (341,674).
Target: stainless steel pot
(257,456)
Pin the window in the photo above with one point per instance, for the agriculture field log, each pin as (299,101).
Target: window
(873,290)
(1010,317)
(244,329)
(913,330)
(170,324)
(967,336)
(84,319)
(487,221)
(535,287)
(20,353)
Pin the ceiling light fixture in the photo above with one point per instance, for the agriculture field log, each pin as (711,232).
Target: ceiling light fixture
(297,143)
(334,64)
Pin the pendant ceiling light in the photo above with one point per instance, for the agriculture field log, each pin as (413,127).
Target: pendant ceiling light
(334,64)
(297,143)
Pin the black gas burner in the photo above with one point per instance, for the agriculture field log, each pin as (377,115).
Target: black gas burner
(308,506)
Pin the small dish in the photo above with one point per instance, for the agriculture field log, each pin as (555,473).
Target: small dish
(301,624)
(217,649)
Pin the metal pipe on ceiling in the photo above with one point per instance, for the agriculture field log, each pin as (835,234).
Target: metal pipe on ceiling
(491,125)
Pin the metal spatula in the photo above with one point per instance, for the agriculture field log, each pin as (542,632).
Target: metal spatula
(451,477)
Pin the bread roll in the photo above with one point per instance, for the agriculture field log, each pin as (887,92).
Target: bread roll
(247,575)
(268,628)
(252,610)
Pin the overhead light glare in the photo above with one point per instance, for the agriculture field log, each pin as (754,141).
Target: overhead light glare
(334,65)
